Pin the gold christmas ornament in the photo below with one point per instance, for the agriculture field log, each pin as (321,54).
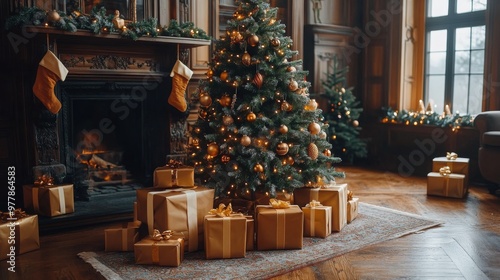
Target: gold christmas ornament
(311,105)
(291,69)
(355,123)
(245,140)
(210,73)
(285,106)
(224,75)
(257,80)
(225,158)
(290,160)
(213,149)
(314,128)
(246,59)
(312,151)
(293,85)
(275,42)
(205,100)
(225,100)
(282,149)
(327,152)
(53,16)
(258,168)
(195,142)
(202,113)
(227,120)
(283,129)
(253,40)
(322,135)
(251,117)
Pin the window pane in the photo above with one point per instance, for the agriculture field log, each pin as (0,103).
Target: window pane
(462,40)
(476,94)
(435,90)
(478,37)
(437,40)
(437,8)
(462,62)
(477,62)
(464,6)
(437,63)
(479,5)
(460,93)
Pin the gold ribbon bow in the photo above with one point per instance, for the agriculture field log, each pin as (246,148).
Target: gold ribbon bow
(174,164)
(17,214)
(165,235)
(222,210)
(451,156)
(445,171)
(314,203)
(43,181)
(279,204)
(349,195)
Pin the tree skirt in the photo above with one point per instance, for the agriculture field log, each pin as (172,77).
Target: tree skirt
(374,224)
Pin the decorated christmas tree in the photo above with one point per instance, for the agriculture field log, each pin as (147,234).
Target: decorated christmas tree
(342,116)
(258,132)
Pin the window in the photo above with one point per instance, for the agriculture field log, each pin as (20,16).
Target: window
(454,54)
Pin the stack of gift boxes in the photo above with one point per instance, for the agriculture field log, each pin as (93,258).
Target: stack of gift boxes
(449,176)
(175,216)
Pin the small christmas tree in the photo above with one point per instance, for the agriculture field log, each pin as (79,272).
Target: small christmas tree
(342,116)
(258,132)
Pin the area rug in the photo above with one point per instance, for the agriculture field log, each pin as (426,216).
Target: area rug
(374,224)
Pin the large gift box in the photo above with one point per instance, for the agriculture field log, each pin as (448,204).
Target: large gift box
(180,210)
(163,251)
(18,234)
(334,195)
(458,165)
(225,234)
(317,220)
(174,174)
(49,200)
(352,209)
(446,184)
(279,228)
(122,238)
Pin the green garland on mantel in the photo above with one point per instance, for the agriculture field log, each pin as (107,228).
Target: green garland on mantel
(99,22)
(455,121)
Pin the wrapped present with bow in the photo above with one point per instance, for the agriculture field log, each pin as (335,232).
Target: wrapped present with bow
(317,219)
(178,209)
(458,165)
(445,183)
(352,206)
(122,238)
(225,233)
(18,234)
(48,199)
(332,194)
(173,174)
(163,248)
(279,226)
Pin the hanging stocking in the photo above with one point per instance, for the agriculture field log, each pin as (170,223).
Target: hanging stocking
(181,75)
(50,71)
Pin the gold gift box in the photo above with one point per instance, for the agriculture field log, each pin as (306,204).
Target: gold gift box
(225,237)
(26,236)
(51,201)
(279,228)
(352,209)
(166,176)
(123,238)
(452,185)
(163,252)
(334,195)
(180,210)
(317,221)
(457,166)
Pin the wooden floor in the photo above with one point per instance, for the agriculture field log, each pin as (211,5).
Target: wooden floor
(466,246)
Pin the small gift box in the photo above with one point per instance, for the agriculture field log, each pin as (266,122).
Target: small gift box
(279,226)
(123,238)
(174,174)
(334,195)
(164,249)
(445,183)
(47,199)
(180,210)
(458,165)
(317,219)
(352,207)
(18,234)
(225,234)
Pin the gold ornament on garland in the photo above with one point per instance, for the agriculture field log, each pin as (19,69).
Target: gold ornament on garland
(202,113)
(285,106)
(283,129)
(245,140)
(225,100)
(291,69)
(205,100)
(290,160)
(275,42)
(257,80)
(258,168)
(293,85)
(327,152)
(314,128)
(227,120)
(224,75)
(311,105)
(251,117)
(322,135)
(312,151)
(53,16)
(282,149)
(246,59)
(355,123)
(225,158)
(253,40)
(213,149)
(210,73)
